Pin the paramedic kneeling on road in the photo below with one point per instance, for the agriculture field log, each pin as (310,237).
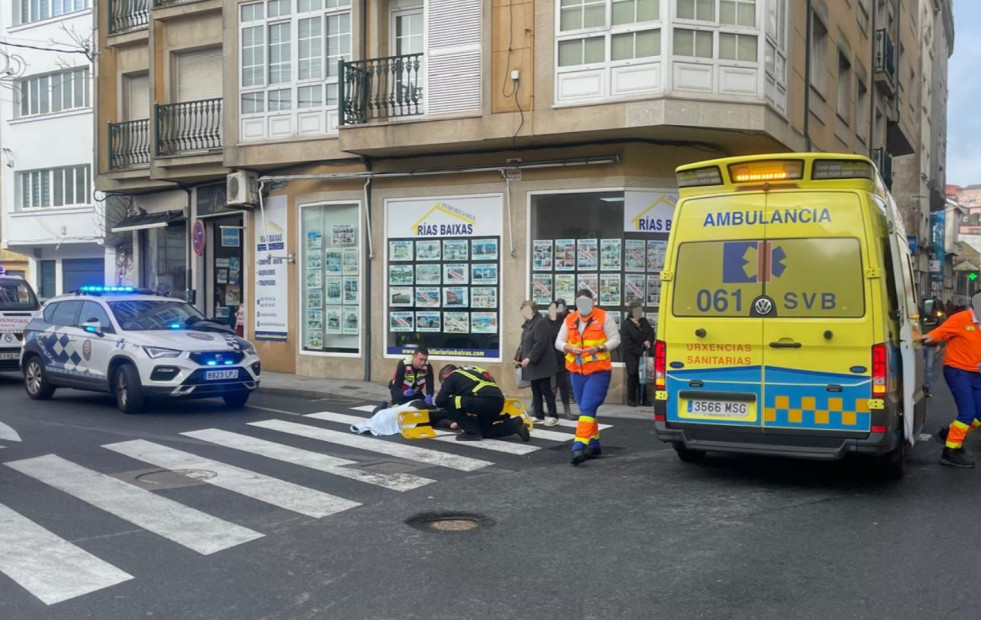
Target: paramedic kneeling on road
(962,371)
(413,379)
(587,337)
(472,399)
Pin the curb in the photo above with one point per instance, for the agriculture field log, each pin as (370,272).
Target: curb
(313,394)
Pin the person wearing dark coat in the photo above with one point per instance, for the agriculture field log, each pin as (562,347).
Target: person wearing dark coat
(557,312)
(636,336)
(538,362)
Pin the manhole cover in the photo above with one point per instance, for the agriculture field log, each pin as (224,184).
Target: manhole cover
(446,522)
(174,477)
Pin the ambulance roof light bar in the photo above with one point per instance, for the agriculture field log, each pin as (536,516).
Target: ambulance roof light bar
(700,177)
(764,171)
(2,270)
(830,169)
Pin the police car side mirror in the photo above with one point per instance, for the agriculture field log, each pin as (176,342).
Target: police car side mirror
(93,327)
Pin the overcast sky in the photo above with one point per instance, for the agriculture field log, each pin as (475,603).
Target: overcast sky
(963,117)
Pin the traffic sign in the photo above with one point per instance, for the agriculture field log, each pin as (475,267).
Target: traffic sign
(198,238)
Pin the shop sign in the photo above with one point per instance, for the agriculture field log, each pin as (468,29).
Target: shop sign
(648,211)
(271,283)
(466,216)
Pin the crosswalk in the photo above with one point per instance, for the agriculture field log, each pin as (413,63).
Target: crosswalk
(55,569)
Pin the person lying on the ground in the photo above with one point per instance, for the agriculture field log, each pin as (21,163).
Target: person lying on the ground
(385,420)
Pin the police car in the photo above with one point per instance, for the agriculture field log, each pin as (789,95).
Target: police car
(18,305)
(137,345)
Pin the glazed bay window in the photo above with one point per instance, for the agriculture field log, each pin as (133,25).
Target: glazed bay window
(53,92)
(68,186)
(289,57)
(607,48)
(27,11)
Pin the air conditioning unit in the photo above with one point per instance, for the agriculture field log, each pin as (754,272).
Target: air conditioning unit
(242,189)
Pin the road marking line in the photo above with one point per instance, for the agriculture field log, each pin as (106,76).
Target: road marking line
(540,433)
(264,488)
(8,433)
(365,408)
(572,424)
(369,444)
(485,444)
(48,566)
(305,458)
(181,524)
(925,437)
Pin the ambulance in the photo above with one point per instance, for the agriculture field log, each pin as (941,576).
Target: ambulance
(18,305)
(789,322)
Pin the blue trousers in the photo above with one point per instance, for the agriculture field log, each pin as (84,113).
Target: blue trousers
(966,388)
(590,391)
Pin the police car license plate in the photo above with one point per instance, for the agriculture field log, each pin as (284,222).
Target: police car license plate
(720,408)
(217,375)
(9,356)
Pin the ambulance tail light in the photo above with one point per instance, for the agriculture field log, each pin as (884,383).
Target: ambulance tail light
(660,364)
(879,370)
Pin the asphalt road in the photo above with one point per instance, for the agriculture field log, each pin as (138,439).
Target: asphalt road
(634,534)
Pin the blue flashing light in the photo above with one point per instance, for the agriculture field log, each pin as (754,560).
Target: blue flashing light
(229,362)
(108,289)
(2,270)
(212,363)
(174,326)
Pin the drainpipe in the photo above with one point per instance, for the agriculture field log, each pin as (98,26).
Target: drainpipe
(809,27)
(872,85)
(366,314)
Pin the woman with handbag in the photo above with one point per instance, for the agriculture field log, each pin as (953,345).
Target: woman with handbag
(538,362)
(636,335)
(557,312)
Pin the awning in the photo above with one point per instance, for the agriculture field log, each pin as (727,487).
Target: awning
(148,220)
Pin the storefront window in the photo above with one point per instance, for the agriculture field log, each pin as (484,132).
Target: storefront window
(331,279)
(443,275)
(164,259)
(612,243)
(227,253)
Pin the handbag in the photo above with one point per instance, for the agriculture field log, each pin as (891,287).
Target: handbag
(646,369)
(518,381)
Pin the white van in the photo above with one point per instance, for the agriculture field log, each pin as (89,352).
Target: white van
(18,305)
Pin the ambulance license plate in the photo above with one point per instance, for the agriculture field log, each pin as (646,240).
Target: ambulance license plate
(720,408)
(9,356)
(218,375)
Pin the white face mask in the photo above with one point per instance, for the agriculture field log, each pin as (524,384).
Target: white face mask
(552,313)
(560,308)
(638,313)
(527,313)
(584,305)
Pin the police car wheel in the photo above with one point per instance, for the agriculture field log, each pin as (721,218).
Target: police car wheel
(127,389)
(688,455)
(236,400)
(36,381)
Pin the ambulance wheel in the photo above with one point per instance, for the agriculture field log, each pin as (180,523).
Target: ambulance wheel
(127,389)
(236,400)
(36,381)
(688,455)
(893,464)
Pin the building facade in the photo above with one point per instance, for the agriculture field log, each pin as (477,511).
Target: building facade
(50,212)
(423,166)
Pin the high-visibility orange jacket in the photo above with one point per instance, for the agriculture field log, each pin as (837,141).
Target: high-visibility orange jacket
(593,335)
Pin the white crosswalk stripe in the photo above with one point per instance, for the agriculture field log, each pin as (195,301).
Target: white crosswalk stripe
(572,424)
(365,408)
(7,433)
(172,520)
(305,458)
(369,444)
(494,445)
(264,488)
(47,566)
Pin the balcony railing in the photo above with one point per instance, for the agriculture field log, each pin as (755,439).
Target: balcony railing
(128,15)
(129,144)
(885,56)
(380,89)
(188,127)
(159,4)
(883,161)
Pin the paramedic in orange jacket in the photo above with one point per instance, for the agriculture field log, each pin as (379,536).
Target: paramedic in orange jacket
(962,371)
(587,337)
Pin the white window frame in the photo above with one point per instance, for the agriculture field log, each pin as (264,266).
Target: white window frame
(30,187)
(31,11)
(43,86)
(330,9)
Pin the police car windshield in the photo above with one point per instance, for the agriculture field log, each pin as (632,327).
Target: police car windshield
(153,314)
(16,295)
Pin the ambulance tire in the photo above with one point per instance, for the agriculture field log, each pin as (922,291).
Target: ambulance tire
(688,455)
(892,466)
(36,380)
(127,389)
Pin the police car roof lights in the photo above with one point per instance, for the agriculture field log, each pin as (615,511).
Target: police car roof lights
(113,290)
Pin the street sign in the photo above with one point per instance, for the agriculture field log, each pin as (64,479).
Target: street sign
(198,238)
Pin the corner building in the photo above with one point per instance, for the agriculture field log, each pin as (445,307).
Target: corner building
(426,165)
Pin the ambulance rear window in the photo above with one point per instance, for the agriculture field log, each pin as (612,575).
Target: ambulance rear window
(805,278)
(16,295)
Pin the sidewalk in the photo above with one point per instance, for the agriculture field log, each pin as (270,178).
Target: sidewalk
(349,390)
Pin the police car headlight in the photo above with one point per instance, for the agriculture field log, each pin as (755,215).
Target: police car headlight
(250,349)
(159,352)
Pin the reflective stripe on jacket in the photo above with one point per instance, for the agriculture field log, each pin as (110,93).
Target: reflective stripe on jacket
(479,376)
(593,336)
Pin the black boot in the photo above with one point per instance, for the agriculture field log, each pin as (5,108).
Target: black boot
(955,457)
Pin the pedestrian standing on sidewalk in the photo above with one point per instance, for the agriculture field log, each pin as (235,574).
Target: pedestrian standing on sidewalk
(557,312)
(962,371)
(636,335)
(472,399)
(538,362)
(413,379)
(588,336)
